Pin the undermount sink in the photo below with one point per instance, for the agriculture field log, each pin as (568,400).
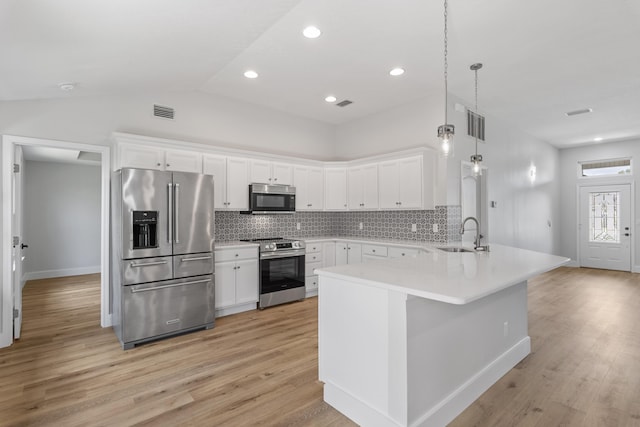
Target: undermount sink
(454,249)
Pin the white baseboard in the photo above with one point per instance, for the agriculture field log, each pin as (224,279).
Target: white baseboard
(226,311)
(572,263)
(636,269)
(49,274)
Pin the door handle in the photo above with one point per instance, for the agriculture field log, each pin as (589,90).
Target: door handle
(176,213)
(169,212)
(200,258)
(147,264)
(627,234)
(22,246)
(175,285)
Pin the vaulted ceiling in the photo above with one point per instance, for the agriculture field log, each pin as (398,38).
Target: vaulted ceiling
(541,58)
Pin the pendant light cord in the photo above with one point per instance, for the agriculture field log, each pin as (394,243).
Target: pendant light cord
(477,115)
(446,64)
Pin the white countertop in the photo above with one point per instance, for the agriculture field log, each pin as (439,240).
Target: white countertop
(236,244)
(455,278)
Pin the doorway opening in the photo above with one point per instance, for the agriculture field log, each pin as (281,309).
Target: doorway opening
(13,235)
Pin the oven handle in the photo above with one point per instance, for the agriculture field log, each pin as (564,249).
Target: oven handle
(281,255)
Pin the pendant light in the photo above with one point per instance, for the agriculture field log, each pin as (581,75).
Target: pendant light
(476,159)
(446,131)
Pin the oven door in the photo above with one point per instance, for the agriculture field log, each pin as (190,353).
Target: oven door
(281,273)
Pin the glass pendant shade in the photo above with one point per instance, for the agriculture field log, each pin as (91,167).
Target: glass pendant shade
(446,133)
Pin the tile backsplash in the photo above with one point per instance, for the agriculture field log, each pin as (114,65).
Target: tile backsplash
(375,224)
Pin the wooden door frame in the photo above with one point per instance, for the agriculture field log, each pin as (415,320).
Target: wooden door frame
(8,144)
(602,182)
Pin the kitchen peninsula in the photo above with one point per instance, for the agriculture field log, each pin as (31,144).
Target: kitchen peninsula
(413,341)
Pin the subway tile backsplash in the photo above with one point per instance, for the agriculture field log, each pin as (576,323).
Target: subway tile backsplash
(375,224)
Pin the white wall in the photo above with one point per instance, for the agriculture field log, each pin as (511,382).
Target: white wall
(524,208)
(61,219)
(199,118)
(569,159)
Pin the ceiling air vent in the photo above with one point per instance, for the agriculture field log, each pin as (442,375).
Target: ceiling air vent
(344,103)
(475,125)
(163,112)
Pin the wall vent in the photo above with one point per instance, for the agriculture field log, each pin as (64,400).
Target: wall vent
(475,125)
(163,112)
(344,103)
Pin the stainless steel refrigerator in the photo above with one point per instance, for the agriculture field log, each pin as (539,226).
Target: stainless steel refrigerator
(162,254)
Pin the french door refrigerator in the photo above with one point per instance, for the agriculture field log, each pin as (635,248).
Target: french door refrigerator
(162,254)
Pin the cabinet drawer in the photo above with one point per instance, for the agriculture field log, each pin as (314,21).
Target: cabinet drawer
(403,252)
(374,250)
(310,266)
(314,247)
(233,254)
(146,270)
(313,257)
(311,282)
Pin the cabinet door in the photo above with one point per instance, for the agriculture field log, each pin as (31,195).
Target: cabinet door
(183,161)
(282,173)
(336,182)
(329,254)
(370,186)
(260,172)
(354,253)
(225,284)
(217,166)
(315,189)
(246,281)
(237,183)
(300,181)
(341,253)
(356,187)
(410,180)
(388,185)
(136,156)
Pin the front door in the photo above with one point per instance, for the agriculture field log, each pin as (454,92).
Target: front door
(605,227)
(18,245)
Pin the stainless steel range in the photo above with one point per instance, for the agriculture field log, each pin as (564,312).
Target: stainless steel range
(281,271)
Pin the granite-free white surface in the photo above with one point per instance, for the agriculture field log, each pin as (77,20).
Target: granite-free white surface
(234,245)
(455,278)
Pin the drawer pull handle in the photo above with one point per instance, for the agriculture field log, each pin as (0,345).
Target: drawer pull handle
(195,282)
(147,264)
(200,258)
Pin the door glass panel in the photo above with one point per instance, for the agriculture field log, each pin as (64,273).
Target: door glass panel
(604,217)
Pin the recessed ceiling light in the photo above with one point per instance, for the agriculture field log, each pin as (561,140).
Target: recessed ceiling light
(397,72)
(598,139)
(250,74)
(331,98)
(67,87)
(311,32)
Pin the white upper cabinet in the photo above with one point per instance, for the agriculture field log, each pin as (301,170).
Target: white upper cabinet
(265,172)
(401,183)
(231,181)
(237,183)
(144,157)
(309,184)
(217,166)
(335,180)
(363,187)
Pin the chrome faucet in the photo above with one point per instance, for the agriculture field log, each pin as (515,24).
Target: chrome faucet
(476,241)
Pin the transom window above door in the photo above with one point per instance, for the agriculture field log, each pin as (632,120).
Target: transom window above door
(600,168)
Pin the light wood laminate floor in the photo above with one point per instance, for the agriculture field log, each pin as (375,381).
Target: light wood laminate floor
(260,367)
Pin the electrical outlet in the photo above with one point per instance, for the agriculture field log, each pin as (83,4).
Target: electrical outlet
(414,228)
(297,226)
(435,227)
(506,329)
(360,226)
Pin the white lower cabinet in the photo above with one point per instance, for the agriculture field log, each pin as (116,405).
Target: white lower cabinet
(318,255)
(236,277)
(348,253)
(395,252)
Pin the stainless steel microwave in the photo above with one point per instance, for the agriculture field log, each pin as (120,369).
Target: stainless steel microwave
(271,199)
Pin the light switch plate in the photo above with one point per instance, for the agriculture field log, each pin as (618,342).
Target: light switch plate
(435,227)
(414,228)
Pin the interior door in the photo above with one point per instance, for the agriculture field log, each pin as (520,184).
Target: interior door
(604,228)
(18,244)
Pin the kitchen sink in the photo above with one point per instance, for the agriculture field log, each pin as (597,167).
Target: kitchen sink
(454,249)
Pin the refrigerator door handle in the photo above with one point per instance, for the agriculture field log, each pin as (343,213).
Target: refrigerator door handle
(200,258)
(176,215)
(134,290)
(147,264)
(169,212)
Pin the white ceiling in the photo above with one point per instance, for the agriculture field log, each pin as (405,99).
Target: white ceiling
(541,58)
